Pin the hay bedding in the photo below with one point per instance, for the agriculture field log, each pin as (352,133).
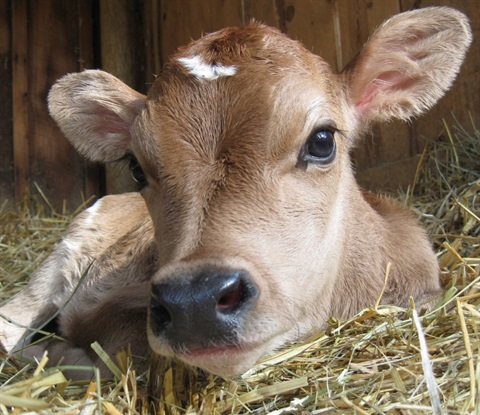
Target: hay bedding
(383,360)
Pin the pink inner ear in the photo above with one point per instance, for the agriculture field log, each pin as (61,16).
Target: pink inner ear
(110,123)
(383,82)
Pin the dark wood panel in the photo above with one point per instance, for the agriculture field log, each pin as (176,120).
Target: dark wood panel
(152,35)
(7,176)
(49,38)
(94,174)
(54,165)
(42,40)
(313,23)
(20,99)
(265,11)
(122,42)
(122,55)
(390,177)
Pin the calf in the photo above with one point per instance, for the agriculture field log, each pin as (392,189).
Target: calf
(249,230)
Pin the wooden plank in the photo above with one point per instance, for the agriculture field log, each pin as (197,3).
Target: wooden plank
(152,35)
(122,42)
(7,175)
(53,50)
(122,55)
(94,174)
(389,177)
(354,28)
(313,24)
(20,101)
(264,11)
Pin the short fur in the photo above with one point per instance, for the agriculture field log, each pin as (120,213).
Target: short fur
(227,187)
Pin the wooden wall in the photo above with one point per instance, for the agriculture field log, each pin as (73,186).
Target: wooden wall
(40,40)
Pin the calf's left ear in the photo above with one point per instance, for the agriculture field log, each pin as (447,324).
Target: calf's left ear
(408,63)
(95,111)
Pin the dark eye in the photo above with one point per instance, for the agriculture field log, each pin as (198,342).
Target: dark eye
(320,147)
(136,171)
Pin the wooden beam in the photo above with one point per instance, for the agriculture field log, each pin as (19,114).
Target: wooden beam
(94,174)
(7,175)
(53,50)
(122,46)
(20,101)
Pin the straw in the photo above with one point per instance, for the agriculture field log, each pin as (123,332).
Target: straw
(382,360)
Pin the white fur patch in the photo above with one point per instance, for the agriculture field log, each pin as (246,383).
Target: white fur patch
(201,70)
(92,212)
(72,246)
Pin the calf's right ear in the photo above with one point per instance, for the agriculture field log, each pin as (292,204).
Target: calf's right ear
(95,111)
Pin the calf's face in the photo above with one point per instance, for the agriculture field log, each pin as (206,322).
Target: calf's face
(245,180)
(242,150)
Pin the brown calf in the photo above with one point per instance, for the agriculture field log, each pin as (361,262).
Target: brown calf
(249,230)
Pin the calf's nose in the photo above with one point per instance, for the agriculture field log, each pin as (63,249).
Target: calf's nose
(202,310)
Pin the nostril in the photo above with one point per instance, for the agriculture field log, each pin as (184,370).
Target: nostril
(233,295)
(231,299)
(159,316)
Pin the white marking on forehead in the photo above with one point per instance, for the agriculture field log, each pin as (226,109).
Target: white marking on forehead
(201,70)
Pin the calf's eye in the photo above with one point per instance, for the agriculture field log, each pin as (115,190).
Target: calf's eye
(136,171)
(320,147)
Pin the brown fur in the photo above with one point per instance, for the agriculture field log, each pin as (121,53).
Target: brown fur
(219,142)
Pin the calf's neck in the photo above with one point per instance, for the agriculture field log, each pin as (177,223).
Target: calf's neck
(249,230)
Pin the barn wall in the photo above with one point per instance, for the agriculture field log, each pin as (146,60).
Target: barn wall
(7,178)
(40,40)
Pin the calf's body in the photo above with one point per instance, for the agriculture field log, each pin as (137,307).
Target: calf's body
(249,230)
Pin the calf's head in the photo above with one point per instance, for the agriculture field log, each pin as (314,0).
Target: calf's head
(242,151)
